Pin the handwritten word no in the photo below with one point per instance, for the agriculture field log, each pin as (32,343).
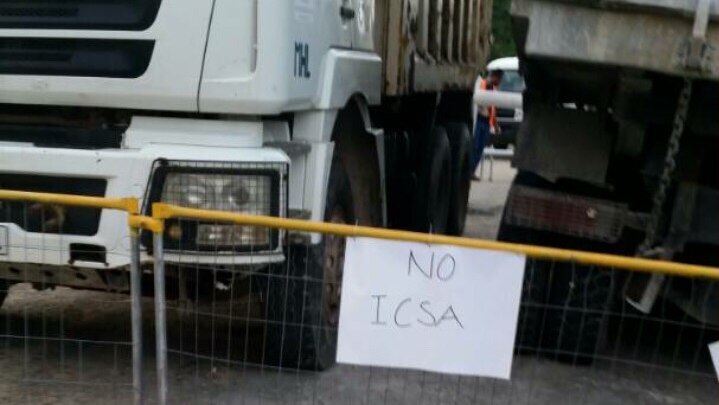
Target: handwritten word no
(443,269)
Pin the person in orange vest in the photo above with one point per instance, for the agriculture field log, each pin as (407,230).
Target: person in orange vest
(486,118)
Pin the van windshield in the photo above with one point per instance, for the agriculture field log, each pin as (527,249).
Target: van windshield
(512,81)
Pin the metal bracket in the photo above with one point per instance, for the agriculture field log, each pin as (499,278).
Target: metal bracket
(696,53)
(642,292)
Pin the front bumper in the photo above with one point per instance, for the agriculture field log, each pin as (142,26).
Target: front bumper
(127,173)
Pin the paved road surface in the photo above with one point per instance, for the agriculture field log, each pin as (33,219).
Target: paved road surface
(486,200)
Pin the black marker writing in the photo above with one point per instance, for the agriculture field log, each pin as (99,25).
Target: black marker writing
(376,319)
(413,259)
(423,306)
(448,264)
(445,267)
(446,316)
(396,312)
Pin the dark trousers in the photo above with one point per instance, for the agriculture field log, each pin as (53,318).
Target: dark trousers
(481,137)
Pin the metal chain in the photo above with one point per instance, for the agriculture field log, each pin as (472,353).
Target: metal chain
(645,248)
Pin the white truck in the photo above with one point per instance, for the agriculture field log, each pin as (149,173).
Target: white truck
(353,111)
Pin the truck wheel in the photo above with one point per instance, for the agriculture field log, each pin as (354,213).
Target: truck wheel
(4,287)
(435,181)
(460,142)
(302,299)
(575,317)
(401,181)
(534,292)
(564,305)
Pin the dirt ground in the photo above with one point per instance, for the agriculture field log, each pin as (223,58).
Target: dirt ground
(71,347)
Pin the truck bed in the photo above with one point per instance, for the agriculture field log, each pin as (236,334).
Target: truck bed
(432,45)
(650,35)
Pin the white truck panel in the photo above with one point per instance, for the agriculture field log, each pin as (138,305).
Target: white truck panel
(346,73)
(127,172)
(169,83)
(298,46)
(240,57)
(178,131)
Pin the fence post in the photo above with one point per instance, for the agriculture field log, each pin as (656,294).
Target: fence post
(136,298)
(160,320)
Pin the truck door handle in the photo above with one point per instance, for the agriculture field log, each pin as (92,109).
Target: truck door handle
(347,13)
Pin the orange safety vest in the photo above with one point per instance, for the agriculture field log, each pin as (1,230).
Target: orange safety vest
(492,109)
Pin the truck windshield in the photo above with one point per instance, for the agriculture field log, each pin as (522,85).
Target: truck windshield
(512,81)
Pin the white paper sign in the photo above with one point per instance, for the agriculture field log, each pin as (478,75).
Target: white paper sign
(434,308)
(714,351)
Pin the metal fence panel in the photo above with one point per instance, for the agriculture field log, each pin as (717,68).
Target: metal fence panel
(68,333)
(251,329)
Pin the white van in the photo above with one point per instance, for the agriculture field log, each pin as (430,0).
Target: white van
(507,118)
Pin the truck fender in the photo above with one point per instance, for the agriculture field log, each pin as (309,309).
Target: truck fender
(378,134)
(345,73)
(316,130)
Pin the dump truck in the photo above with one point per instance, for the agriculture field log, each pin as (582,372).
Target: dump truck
(617,153)
(352,111)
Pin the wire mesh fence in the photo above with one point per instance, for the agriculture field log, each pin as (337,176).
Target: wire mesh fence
(262,328)
(239,320)
(66,327)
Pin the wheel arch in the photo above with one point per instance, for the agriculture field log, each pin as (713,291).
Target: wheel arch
(361,147)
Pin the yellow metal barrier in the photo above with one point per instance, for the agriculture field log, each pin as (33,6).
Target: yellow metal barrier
(129,205)
(164,211)
(247,318)
(274,281)
(136,222)
(147,223)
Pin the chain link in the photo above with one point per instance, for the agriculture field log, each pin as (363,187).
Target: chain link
(670,164)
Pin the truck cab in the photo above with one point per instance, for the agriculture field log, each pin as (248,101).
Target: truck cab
(116,98)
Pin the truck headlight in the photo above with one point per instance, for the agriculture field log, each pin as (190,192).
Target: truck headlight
(257,189)
(248,194)
(236,193)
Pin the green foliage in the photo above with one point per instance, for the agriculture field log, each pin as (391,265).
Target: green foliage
(502,30)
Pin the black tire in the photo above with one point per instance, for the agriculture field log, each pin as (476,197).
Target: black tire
(401,182)
(564,307)
(460,141)
(575,319)
(534,292)
(299,334)
(302,300)
(435,181)
(4,287)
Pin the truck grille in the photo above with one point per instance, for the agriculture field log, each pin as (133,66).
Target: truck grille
(75,57)
(47,218)
(130,15)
